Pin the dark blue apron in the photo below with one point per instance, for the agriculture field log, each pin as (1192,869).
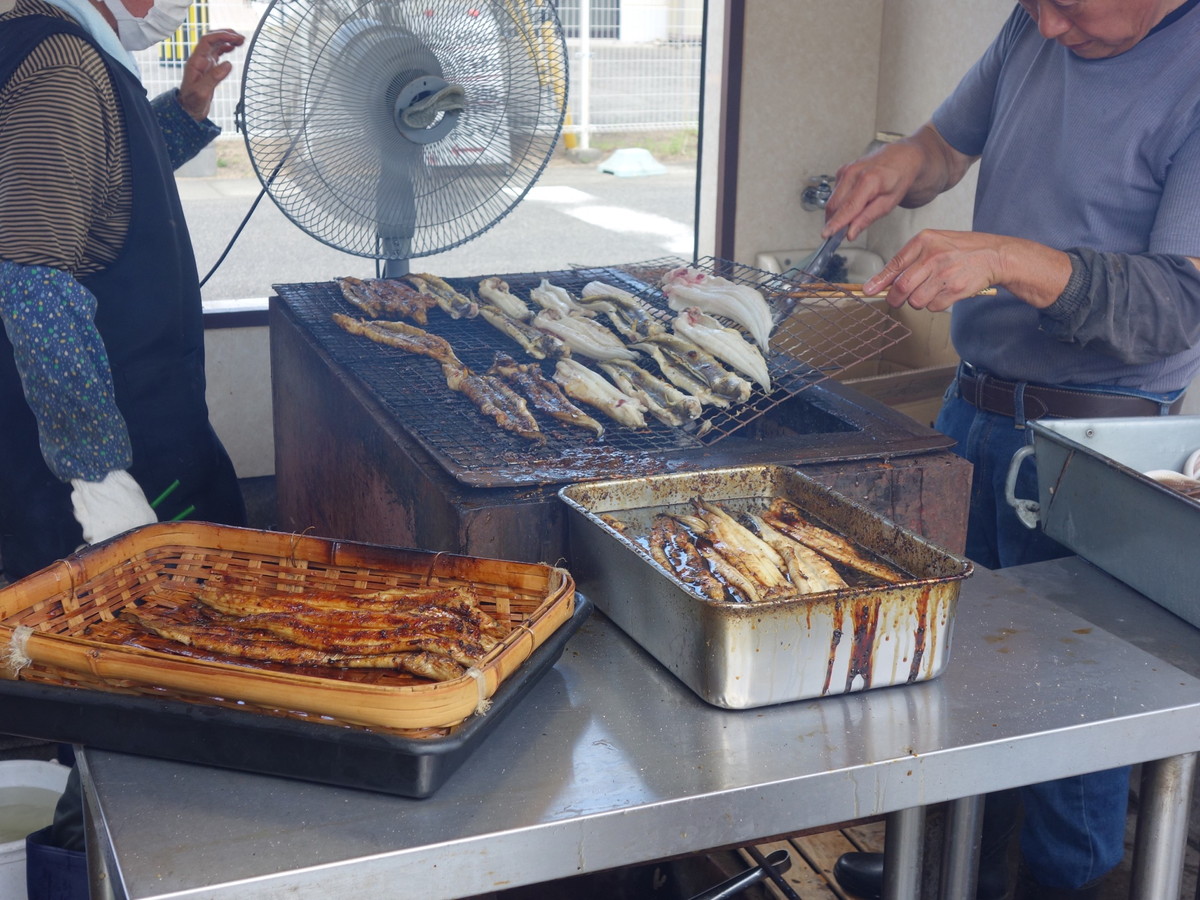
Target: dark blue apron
(149,316)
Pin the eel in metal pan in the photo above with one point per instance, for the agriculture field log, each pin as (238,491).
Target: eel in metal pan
(810,572)
(726,344)
(585,386)
(787,517)
(740,303)
(672,547)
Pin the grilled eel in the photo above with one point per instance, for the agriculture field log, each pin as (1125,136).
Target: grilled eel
(787,517)
(219,636)
(543,393)
(701,365)
(424,619)
(551,296)
(767,578)
(495,291)
(235,597)
(401,336)
(810,572)
(584,336)
(455,305)
(726,344)
(672,547)
(626,312)
(379,297)
(582,384)
(664,401)
(535,342)
(495,399)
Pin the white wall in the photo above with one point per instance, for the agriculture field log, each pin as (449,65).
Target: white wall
(238,368)
(820,79)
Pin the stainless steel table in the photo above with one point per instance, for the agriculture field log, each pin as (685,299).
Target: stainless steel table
(610,761)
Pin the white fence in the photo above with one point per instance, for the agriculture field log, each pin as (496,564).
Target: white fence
(634,65)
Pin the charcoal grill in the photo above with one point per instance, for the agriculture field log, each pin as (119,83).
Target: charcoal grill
(819,340)
(371,445)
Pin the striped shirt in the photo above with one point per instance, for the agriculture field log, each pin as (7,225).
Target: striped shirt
(65,207)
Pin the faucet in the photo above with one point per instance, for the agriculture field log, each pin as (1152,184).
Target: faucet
(816,195)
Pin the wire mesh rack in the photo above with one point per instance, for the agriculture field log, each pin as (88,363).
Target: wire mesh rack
(822,330)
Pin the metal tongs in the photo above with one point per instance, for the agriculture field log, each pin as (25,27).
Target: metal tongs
(773,865)
(808,271)
(813,269)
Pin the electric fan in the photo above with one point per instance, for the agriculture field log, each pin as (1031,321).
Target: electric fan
(395,129)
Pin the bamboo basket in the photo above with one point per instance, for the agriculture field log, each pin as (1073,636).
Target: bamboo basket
(44,619)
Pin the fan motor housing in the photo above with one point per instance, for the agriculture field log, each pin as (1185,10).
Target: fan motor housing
(419,89)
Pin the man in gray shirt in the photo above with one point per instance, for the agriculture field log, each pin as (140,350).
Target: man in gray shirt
(1085,119)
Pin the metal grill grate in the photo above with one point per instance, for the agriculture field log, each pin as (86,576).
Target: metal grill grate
(823,335)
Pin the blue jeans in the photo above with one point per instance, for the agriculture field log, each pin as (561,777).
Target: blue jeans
(1073,831)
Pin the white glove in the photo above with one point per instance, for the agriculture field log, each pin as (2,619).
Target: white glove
(109,507)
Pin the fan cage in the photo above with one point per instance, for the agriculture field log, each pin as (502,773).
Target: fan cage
(318,116)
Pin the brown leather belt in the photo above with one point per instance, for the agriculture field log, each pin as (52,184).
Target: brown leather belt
(988,393)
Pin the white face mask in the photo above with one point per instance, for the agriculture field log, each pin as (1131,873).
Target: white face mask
(159,23)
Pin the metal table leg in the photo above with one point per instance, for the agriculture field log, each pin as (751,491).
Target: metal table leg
(1162,827)
(903,842)
(960,858)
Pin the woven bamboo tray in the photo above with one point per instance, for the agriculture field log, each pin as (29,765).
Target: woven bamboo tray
(44,620)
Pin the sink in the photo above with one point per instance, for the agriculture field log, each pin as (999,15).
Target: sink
(861,263)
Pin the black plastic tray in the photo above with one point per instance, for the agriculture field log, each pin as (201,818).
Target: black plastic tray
(233,739)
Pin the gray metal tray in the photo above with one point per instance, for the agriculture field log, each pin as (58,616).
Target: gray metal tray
(1094,500)
(743,655)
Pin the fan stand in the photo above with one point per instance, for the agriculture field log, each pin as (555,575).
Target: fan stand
(395,188)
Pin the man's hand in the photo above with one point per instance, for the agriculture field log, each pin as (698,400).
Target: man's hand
(909,173)
(204,71)
(109,507)
(936,269)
